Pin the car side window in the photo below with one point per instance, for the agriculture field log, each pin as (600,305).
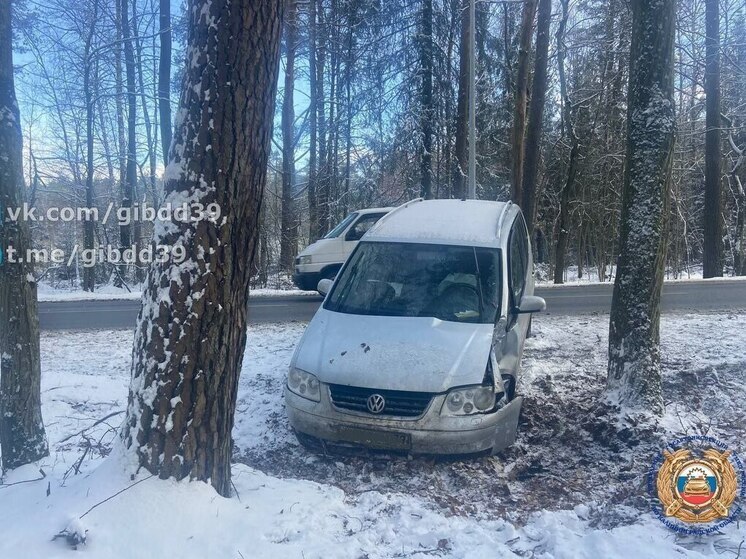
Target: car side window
(518,260)
(362,226)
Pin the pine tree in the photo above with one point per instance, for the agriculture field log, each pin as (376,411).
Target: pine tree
(634,378)
(712,251)
(22,436)
(191,332)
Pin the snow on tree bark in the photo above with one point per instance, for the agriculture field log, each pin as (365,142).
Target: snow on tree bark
(191,333)
(521,97)
(532,150)
(22,436)
(634,380)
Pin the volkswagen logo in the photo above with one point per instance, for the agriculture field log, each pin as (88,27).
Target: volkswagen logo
(376,403)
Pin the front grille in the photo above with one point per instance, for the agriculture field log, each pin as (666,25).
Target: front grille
(398,402)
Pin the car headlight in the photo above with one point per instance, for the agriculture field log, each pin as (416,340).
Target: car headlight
(469,400)
(304,259)
(304,384)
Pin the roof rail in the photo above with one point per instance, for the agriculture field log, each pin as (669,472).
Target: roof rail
(396,209)
(503,213)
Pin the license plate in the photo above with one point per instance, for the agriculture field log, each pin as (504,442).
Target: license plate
(375,439)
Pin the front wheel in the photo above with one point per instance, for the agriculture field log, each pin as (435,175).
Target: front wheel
(308,442)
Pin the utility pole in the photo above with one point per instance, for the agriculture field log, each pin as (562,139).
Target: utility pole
(472,186)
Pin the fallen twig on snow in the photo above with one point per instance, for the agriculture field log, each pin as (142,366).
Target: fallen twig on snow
(43,475)
(97,422)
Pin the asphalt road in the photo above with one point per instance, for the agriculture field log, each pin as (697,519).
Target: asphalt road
(695,296)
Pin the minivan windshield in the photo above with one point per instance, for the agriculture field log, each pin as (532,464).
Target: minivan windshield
(337,231)
(453,283)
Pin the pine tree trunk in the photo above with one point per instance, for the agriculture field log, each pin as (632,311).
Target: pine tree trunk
(288,230)
(521,97)
(352,24)
(712,249)
(130,182)
(461,161)
(191,333)
(119,107)
(536,116)
(568,190)
(89,276)
(164,75)
(313,212)
(149,133)
(322,174)
(634,379)
(22,436)
(739,261)
(427,111)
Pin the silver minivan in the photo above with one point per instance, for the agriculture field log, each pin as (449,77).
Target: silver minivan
(417,346)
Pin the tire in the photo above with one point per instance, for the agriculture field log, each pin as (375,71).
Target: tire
(308,442)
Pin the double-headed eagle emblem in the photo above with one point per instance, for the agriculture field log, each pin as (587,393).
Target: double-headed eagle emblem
(697,489)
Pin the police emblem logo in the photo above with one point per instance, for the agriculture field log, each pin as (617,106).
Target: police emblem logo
(697,489)
(699,484)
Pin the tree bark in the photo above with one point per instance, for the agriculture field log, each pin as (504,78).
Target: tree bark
(22,436)
(89,270)
(130,182)
(712,249)
(521,95)
(288,228)
(322,174)
(118,100)
(191,333)
(568,190)
(461,155)
(313,213)
(149,138)
(164,76)
(427,111)
(634,380)
(536,116)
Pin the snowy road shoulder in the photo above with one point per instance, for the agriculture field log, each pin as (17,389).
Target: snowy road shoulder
(566,489)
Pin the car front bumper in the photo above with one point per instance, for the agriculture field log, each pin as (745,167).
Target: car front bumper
(306,281)
(430,433)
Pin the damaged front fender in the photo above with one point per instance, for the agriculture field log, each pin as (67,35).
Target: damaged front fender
(506,428)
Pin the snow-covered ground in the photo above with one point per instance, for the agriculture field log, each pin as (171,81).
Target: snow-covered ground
(570,487)
(591,274)
(110,293)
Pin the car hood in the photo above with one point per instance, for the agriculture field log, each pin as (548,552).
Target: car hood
(394,353)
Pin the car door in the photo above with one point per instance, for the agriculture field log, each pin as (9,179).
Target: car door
(519,262)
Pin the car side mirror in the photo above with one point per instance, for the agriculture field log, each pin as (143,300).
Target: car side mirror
(530,304)
(325,286)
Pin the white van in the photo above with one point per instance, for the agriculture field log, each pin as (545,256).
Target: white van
(324,258)
(417,346)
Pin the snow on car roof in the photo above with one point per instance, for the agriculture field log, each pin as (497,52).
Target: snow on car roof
(373,210)
(442,221)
